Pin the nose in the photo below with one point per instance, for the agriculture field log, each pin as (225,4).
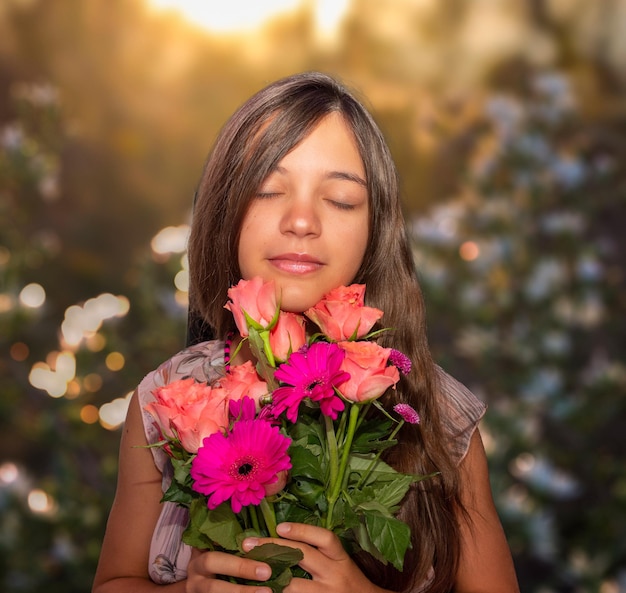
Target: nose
(301,217)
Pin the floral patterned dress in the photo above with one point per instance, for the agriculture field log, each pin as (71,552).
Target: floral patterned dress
(169,556)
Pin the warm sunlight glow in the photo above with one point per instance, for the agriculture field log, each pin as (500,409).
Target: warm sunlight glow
(245,15)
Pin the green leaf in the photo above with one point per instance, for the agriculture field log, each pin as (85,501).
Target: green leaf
(381,472)
(292,512)
(308,428)
(305,463)
(181,472)
(281,560)
(175,493)
(277,556)
(180,491)
(390,494)
(365,543)
(389,535)
(221,526)
(372,435)
(193,535)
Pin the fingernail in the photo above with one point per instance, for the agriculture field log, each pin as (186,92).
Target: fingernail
(283,528)
(249,543)
(263,572)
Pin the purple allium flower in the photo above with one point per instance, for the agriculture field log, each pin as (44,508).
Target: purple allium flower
(312,372)
(408,413)
(240,465)
(400,361)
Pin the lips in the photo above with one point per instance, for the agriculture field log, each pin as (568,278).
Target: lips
(296,263)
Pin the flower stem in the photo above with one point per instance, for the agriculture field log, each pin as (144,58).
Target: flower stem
(255,519)
(267,509)
(333,452)
(336,486)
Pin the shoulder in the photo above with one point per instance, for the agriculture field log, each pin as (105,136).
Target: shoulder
(461,411)
(204,362)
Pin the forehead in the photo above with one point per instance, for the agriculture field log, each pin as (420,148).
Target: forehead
(329,144)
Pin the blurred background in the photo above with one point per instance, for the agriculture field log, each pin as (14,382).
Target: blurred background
(507,120)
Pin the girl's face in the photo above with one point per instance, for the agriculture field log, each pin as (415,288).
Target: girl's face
(307,226)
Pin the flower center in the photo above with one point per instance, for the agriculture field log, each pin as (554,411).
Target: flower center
(320,382)
(245,469)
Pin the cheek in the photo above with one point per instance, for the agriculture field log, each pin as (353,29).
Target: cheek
(249,242)
(360,241)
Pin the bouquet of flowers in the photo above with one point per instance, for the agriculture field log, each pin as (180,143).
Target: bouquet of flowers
(298,437)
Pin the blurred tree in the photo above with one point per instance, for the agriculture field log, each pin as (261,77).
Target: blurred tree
(57,471)
(527,298)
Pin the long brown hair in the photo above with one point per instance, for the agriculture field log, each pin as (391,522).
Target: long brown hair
(259,134)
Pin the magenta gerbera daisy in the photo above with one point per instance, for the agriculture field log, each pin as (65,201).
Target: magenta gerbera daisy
(239,465)
(311,372)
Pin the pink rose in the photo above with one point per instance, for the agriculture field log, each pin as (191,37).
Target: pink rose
(257,300)
(370,375)
(188,411)
(243,380)
(341,314)
(287,335)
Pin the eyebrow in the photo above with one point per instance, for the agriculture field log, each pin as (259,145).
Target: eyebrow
(341,175)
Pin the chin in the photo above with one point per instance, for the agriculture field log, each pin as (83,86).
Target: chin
(297,302)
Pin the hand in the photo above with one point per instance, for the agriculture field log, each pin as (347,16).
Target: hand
(204,567)
(331,568)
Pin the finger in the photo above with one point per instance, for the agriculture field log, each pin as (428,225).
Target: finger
(319,537)
(222,563)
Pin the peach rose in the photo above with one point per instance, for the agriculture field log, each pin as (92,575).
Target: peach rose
(341,314)
(288,335)
(253,301)
(370,375)
(188,411)
(243,380)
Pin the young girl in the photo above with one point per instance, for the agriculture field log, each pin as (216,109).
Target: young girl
(300,188)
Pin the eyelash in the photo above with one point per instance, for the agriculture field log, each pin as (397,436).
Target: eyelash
(342,205)
(339,205)
(267,194)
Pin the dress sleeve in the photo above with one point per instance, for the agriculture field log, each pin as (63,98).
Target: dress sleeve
(461,413)
(204,362)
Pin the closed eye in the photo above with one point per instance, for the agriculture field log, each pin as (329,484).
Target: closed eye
(267,194)
(342,205)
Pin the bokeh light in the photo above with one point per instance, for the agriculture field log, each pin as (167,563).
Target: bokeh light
(33,295)
(469,251)
(115,361)
(9,472)
(170,240)
(19,351)
(113,413)
(82,321)
(40,502)
(89,414)
(54,377)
